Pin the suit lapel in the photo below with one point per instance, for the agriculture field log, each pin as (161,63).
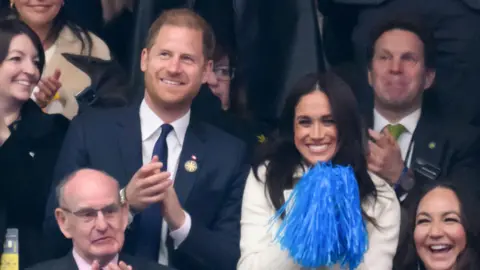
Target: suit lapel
(428,145)
(191,161)
(130,140)
(68,262)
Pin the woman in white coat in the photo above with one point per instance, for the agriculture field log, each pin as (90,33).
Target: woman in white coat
(320,122)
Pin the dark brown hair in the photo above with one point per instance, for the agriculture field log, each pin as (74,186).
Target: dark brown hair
(283,158)
(184,18)
(10,28)
(469,259)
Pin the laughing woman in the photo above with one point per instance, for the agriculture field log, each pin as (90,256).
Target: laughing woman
(29,141)
(444,230)
(62,81)
(320,122)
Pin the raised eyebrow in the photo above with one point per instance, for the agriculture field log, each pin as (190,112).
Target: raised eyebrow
(16,51)
(183,55)
(299,117)
(410,54)
(425,214)
(385,51)
(451,213)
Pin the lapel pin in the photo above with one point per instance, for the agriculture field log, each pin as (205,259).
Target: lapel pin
(261,138)
(432,145)
(191,165)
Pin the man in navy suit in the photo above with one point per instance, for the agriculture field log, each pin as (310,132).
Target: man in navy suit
(183,179)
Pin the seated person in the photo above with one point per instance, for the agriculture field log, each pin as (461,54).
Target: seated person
(60,35)
(443,230)
(412,142)
(90,213)
(320,122)
(30,141)
(222,101)
(408,129)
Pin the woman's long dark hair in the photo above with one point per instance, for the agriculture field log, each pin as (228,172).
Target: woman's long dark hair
(283,158)
(10,28)
(407,257)
(59,22)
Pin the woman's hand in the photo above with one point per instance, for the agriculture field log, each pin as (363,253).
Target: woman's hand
(48,88)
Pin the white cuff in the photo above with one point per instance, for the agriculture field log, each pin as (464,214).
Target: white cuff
(180,234)
(130,217)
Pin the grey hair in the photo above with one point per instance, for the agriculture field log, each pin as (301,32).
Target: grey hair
(60,188)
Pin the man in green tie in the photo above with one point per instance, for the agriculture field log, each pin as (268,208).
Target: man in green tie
(406,129)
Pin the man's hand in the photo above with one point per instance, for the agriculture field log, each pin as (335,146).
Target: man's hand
(48,87)
(172,211)
(111,266)
(384,157)
(147,186)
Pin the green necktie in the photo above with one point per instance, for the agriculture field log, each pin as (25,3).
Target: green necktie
(396,130)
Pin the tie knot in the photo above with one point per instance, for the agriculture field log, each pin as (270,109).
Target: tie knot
(166,128)
(396,130)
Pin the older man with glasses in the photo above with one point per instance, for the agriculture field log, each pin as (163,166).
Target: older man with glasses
(91,214)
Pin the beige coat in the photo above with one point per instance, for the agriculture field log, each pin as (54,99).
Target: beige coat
(73,79)
(260,252)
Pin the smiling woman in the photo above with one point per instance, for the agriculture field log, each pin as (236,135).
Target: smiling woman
(62,80)
(319,123)
(29,141)
(444,230)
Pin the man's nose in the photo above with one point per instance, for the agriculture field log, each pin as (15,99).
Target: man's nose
(100,222)
(174,65)
(396,65)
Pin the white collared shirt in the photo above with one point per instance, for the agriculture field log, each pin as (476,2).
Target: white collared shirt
(82,264)
(409,122)
(150,125)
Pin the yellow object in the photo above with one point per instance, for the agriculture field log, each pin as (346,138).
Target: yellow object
(57,96)
(261,138)
(9,262)
(190,166)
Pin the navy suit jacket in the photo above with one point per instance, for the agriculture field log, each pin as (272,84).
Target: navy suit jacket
(68,263)
(110,140)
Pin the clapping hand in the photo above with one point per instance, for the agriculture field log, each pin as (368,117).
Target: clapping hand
(48,88)
(111,266)
(384,157)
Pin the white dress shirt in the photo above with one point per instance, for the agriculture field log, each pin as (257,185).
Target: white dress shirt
(150,125)
(409,122)
(82,264)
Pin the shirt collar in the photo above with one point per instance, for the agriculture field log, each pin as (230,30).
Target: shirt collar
(150,123)
(409,122)
(83,264)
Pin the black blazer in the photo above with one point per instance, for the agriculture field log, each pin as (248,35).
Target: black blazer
(456,151)
(110,140)
(68,263)
(27,160)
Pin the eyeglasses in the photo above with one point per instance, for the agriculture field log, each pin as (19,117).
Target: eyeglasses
(90,214)
(224,73)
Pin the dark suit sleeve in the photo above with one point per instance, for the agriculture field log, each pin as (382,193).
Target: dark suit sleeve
(72,156)
(218,247)
(465,164)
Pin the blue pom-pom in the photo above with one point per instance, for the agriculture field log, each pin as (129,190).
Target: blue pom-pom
(323,223)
